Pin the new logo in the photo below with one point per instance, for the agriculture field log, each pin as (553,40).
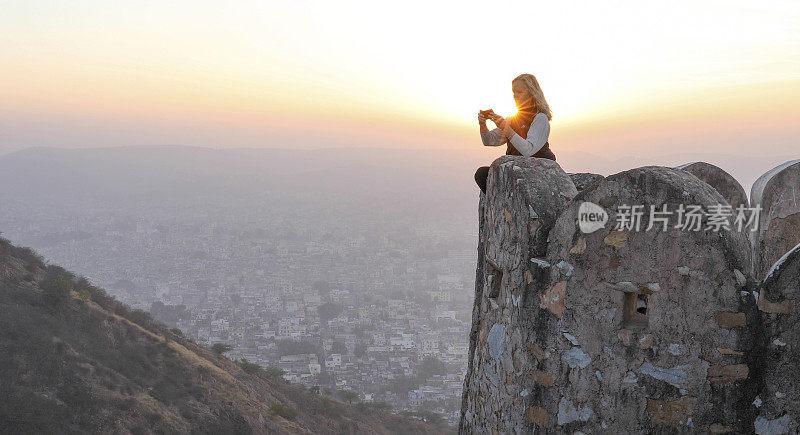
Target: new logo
(591,217)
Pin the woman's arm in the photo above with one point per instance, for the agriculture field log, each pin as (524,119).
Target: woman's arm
(537,136)
(493,138)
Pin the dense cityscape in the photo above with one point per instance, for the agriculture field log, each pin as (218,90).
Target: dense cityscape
(360,309)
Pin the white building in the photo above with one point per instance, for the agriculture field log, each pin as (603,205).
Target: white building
(333,360)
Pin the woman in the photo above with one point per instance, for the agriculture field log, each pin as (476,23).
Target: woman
(526,132)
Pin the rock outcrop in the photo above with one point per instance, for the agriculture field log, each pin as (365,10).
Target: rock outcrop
(619,326)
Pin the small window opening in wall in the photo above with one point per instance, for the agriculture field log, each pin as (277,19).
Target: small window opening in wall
(641,304)
(634,315)
(493,280)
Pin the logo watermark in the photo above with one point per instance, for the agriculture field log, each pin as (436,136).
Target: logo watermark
(716,217)
(591,217)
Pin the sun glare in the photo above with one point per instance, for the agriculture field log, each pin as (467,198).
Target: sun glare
(260,59)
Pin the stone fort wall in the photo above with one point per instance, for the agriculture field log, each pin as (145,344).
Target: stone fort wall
(647,327)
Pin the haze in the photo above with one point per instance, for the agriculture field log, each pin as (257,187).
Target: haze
(636,80)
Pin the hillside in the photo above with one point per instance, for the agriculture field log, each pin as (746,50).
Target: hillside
(74,360)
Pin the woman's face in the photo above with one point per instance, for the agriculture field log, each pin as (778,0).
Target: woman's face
(521,94)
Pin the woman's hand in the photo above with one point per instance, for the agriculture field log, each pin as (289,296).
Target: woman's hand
(503,124)
(482,123)
(499,121)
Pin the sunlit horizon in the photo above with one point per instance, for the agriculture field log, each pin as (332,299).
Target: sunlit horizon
(314,74)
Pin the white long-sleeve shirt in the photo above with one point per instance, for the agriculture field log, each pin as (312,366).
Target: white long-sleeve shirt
(538,133)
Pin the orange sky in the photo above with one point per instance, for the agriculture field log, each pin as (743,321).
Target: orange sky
(629,79)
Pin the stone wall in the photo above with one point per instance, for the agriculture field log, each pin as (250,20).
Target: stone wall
(623,331)
(524,197)
(723,182)
(779,400)
(778,193)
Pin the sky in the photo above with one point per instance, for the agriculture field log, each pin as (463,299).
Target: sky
(623,78)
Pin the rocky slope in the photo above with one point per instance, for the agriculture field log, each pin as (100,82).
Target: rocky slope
(74,360)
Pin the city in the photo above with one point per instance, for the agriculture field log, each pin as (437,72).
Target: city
(348,308)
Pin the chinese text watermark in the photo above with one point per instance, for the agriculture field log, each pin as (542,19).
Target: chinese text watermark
(715,217)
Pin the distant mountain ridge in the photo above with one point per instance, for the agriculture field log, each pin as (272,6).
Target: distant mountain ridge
(428,181)
(444,173)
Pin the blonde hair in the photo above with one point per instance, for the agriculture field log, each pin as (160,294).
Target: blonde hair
(538,96)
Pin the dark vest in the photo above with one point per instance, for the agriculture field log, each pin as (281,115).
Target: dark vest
(520,123)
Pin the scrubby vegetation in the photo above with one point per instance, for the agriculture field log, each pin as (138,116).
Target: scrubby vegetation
(220,348)
(284,411)
(347,395)
(75,360)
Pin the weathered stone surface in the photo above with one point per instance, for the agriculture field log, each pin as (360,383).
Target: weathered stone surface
(583,180)
(631,330)
(723,182)
(730,320)
(782,425)
(780,409)
(497,340)
(537,352)
(652,302)
(541,378)
(646,341)
(536,415)
(552,299)
(523,199)
(568,412)
(786,306)
(719,429)
(576,358)
(616,238)
(491,375)
(727,374)
(778,194)
(476,331)
(677,376)
(674,412)
(629,333)
(726,351)
(579,247)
